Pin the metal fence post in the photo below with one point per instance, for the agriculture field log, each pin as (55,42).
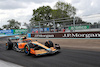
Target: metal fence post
(39,27)
(54,24)
(74,23)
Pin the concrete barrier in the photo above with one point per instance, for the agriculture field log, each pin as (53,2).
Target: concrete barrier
(8,35)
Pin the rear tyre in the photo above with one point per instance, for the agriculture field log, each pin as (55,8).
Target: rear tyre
(9,45)
(27,50)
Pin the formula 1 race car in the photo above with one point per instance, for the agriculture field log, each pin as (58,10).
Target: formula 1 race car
(32,47)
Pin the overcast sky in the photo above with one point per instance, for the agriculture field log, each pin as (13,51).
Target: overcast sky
(21,10)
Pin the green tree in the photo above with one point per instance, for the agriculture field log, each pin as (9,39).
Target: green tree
(47,13)
(5,26)
(42,13)
(56,13)
(1,29)
(63,10)
(12,24)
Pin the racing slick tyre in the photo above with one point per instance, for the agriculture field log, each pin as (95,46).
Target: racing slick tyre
(27,50)
(57,46)
(9,45)
(49,44)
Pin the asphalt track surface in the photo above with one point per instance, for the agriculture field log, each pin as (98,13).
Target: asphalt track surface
(66,58)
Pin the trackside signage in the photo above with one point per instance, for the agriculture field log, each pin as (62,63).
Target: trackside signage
(79,27)
(19,31)
(68,35)
(44,36)
(41,29)
(1,33)
(6,31)
(82,35)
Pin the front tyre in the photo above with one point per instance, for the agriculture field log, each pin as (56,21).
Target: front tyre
(57,46)
(27,50)
(49,44)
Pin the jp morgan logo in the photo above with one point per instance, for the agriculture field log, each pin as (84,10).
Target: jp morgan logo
(82,35)
(66,35)
(70,35)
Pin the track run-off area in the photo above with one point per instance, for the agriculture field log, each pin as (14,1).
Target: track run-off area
(74,53)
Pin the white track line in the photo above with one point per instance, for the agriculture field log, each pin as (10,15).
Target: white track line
(8,64)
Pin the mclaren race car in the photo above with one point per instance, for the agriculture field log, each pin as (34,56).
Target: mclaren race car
(32,47)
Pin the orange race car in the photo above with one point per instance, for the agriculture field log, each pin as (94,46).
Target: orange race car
(32,47)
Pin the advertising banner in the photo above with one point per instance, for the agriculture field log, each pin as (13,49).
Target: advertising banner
(79,27)
(41,29)
(6,31)
(68,35)
(20,31)
(2,33)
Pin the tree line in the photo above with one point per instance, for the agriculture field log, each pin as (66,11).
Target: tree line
(44,13)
